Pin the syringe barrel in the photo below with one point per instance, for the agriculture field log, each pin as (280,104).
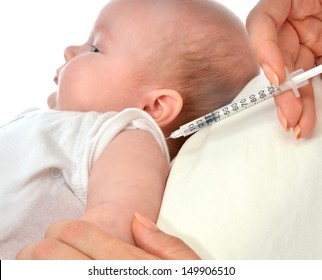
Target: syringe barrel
(227,111)
(294,81)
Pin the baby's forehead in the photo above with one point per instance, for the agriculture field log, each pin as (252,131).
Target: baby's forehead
(161,21)
(155,8)
(140,17)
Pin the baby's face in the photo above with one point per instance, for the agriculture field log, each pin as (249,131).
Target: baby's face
(104,74)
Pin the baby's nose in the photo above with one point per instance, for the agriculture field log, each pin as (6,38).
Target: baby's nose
(70,52)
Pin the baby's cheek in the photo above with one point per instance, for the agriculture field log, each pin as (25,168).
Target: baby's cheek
(72,88)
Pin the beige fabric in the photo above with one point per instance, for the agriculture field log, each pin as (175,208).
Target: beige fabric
(245,189)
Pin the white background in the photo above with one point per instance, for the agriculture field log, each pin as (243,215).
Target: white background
(33,36)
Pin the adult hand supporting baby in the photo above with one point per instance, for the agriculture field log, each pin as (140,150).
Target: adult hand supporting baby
(82,240)
(289,33)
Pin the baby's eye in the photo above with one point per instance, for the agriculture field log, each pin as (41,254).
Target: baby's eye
(94,49)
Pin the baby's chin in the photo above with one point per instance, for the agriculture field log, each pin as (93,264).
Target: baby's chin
(51,101)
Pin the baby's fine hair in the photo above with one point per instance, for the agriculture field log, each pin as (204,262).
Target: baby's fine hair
(210,62)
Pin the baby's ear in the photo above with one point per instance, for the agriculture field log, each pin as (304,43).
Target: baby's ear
(164,105)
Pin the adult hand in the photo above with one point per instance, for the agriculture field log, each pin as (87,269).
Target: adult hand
(289,33)
(82,240)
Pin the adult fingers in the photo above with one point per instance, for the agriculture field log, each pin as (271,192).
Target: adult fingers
(289,106)
(153,240)
(94,242)
(308,118)
(263,23)
(309,31)
(299,113)
(49,249)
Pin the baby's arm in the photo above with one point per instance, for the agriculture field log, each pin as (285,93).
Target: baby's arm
(128,177)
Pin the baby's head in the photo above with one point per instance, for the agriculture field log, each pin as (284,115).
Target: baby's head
(175,59)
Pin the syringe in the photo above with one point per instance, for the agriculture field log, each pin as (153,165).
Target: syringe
(293,81)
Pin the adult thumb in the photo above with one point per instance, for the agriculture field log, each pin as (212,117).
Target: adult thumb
(154,241)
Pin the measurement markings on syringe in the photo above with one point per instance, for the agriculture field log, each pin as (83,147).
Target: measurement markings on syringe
(294,81)
(235,107)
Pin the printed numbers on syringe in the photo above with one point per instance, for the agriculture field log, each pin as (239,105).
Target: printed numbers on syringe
(234,108)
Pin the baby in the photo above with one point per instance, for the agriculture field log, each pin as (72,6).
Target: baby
(99,154)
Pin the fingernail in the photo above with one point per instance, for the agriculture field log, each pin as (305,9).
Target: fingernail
(296,132)
(270,74)
(145,221)
(282,119)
